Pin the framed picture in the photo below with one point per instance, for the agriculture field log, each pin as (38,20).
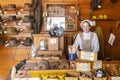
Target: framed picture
(55,21)
(70,26)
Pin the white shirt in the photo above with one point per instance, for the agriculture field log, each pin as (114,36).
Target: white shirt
(95,42)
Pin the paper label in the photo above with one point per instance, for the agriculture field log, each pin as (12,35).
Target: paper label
(111,39)
(97,65)
(115,78)
(53,41)
(83,66)
(34,79)
(87,55)
(23,78)
(5,32)
(16,78)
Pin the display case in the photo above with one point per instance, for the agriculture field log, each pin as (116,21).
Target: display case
(62,15)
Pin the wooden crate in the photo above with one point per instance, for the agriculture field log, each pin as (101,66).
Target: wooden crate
(112,66)
(104,78)
(85,77)
(84,69)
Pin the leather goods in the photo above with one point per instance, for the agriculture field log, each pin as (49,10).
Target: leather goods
(54,65)
(2,41)
(12,30)
(45,62)
(1,9)
(64,65)
(28,29)
(13,42)
(28,18)
(11,7)
(12,18)
(21,74)
(27,6)
(29,66)
(40,66)
(28,41)
(1,20)
(1,31)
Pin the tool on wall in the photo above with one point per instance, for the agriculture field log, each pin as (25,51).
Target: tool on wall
(36,12)
(32,13)
(95,4)
(38,16)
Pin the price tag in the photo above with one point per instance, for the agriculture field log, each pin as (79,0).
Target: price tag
(97,64)
(83,66)
(87,55)
(53,41)
(115,78)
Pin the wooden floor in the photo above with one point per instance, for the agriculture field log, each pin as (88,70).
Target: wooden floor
(7,61)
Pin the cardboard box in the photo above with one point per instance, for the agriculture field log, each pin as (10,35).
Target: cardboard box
(53,43)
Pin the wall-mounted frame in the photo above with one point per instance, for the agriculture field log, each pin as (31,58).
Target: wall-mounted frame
(70,26)
(66,10)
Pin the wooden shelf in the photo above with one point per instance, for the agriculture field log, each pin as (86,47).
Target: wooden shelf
(51,71)
(106,19)
(60,52)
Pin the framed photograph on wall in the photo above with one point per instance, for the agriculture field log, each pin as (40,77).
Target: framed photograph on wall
(70,26)
(55,21)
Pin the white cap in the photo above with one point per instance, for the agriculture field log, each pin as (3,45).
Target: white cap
(92,23)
